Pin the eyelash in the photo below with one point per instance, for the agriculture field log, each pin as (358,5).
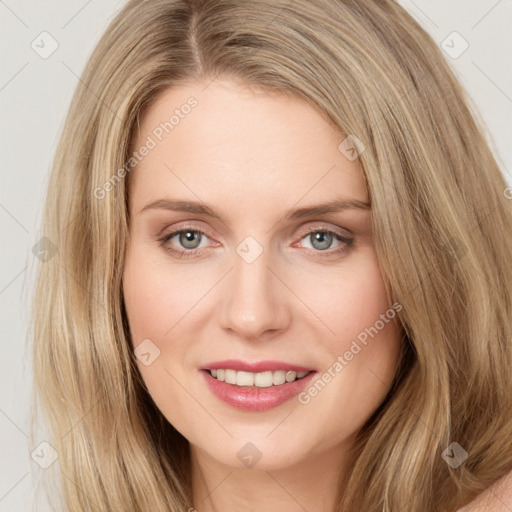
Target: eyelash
(183,254)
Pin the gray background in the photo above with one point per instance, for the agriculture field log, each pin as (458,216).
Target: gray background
(34,95)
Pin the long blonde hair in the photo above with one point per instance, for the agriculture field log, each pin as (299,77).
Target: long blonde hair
(442,231)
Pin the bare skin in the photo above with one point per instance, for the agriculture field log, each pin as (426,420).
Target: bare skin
(497,498)
(304,300)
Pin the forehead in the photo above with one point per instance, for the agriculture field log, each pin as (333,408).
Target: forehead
(238,142)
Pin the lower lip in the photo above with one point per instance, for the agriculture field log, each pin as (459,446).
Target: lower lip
(252,398)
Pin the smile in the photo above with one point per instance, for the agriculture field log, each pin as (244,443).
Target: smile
(260,379)
(256,391)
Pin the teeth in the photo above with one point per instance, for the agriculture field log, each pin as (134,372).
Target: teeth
(279,377)
(290,376)
(230,376)
(261,380)
(244,379)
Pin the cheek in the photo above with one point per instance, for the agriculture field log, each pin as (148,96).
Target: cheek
(348,300)
(160,303)
(153,306)
(365,349)
(363,341)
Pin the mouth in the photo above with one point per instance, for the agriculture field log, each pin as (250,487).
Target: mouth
(256,386)
(261,379)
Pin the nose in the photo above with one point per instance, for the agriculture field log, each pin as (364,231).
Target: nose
(255,303)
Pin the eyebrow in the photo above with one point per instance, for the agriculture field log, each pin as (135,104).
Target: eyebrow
(198,208)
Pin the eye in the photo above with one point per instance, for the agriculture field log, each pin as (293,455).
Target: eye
(321,241)
(186,242)
(188,238)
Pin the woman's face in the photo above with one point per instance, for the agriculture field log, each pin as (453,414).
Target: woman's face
(255,278)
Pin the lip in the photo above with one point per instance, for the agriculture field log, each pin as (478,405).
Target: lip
(256,367)
(252,398)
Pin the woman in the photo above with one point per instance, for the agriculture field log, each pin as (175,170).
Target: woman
(283,277)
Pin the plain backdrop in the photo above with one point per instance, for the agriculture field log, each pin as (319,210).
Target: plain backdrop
(35,92)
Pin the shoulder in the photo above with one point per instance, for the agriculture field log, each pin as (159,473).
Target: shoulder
(496,498)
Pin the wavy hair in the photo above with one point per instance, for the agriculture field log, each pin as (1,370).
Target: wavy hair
(442,228)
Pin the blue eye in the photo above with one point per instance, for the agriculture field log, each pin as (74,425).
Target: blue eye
(190,239)
(187,238)
(322,239)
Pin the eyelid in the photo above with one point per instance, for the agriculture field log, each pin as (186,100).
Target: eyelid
(343,232)
(326,227)
(186,227)
(343,236)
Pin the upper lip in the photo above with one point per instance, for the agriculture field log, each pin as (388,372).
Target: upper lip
(254,367)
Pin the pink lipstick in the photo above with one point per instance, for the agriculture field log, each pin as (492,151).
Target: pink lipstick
(257,386)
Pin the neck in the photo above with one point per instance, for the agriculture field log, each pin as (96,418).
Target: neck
(310,484)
